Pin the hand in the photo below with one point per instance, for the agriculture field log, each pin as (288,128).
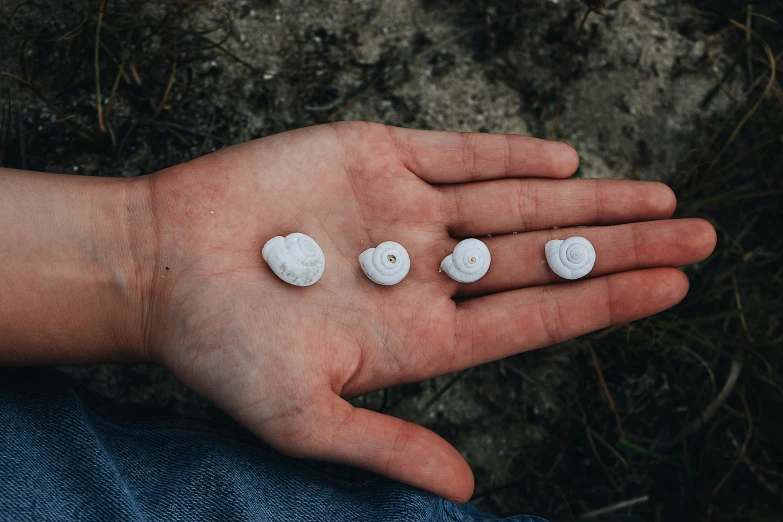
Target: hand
(283,360)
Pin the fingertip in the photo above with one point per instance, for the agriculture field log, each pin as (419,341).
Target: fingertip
(675,287)
(662,199)
(704,238)
(463,483)
(565,159)
(452,479)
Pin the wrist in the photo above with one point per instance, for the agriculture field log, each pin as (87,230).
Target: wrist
(76,268)
(137,265)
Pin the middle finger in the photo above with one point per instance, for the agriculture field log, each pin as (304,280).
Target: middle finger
(522,205)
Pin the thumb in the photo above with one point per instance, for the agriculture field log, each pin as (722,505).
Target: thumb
(389,446)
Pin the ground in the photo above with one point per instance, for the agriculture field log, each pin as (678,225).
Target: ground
(643,89)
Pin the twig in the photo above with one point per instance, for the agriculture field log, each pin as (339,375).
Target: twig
(98,67)
(699,422)
(616,507)
(743,449)
(168,87)
(772,488)
(70,120)
(136,77)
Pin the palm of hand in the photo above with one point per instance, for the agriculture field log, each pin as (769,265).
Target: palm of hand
(282,359)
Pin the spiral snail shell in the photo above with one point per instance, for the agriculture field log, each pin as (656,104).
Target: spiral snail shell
(296,259)
(469,261)
(386,264)
(570,259)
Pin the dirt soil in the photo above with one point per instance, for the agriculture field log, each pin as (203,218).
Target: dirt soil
(631,88)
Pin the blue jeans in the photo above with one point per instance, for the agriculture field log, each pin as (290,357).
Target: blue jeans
(64,455)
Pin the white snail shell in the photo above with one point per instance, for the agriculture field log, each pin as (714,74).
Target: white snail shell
(469,261)
(296,259)
(570,259)
(386,264)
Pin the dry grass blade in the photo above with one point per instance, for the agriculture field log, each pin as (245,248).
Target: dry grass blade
(605,389)
(70,120)
(208,135)
(98,96)
(756,105)
(757,470)
(169,85)
(5,129)
(704,363)
(748,23)
(120,74)
(609,447)
(625,504)
(743,449)
(739,307)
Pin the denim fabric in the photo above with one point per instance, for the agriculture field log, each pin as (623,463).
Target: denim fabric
(66,456)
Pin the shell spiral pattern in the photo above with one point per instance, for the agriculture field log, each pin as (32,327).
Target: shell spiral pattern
(296,259)
(469,261)
(572,258)
(386,264)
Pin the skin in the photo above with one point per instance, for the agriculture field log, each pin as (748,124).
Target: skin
(168,268)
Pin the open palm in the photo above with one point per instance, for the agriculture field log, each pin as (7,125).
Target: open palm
(283,360)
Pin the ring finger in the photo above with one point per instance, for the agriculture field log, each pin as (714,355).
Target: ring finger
(522,205)
(518,260)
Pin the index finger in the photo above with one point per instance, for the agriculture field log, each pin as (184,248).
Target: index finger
(458,157)
(496,326)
